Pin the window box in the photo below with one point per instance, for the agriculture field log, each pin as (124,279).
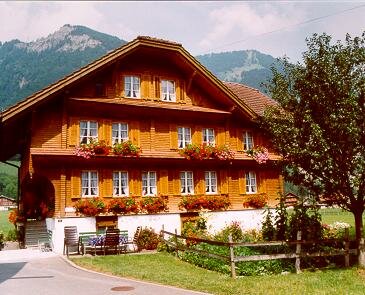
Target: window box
(123,206)
(259,154)
(256,201)
(153,204)
(195,203)
(90,206)
(204,152)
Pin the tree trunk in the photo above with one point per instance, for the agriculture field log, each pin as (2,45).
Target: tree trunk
(359,237)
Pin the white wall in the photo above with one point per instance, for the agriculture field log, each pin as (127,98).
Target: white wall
(248,219)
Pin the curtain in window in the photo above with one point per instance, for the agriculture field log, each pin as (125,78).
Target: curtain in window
(144,184)
(93,183)
(85,183)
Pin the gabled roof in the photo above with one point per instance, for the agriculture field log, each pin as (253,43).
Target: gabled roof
(57,87)
(256,100)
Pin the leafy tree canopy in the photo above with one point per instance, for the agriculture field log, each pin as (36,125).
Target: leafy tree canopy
(319,123)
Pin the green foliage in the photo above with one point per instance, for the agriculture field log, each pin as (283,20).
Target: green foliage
(2,240)
(281,219)
(8,185)
(148,239)
(234,229)
(318,126)
(12,235)
(268,229)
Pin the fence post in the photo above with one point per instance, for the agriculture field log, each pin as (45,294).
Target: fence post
(297,251)
(347,248)
(176,245)
(231,252)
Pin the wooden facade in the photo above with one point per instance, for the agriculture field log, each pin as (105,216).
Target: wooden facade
(45,129)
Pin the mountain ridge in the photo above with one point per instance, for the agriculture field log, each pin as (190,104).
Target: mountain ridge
(30,66)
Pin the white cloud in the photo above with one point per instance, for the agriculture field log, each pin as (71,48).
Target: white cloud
(244,20)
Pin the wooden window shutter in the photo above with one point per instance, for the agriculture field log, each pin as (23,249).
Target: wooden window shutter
(145,87)
(74,133)
(242,181)
(177,90)
(239,135)
(176,182)
(121,86)
(197,135)
(199,182)
(163,182)
(134,134)
(135,183)
(76,184)
(157,88)
(221,136)
(173,136)
(107,131)
(223,182)
(106,183)
(182,92)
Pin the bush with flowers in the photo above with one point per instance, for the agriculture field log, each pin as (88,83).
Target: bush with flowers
(335,230)
(15,216)
(203,152)
(259,154)
(210,202)
(123,205)
(126,148)
(256,201)
(90,206)
(153,204)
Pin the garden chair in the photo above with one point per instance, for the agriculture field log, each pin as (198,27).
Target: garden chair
(71,239)
(134,241)
(111,240)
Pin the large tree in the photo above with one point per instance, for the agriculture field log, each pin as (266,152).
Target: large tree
(319,123)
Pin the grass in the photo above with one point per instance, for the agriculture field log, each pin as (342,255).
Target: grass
(5,225)
(165,269)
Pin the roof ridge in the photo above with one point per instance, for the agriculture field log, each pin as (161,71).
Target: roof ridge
(149,38)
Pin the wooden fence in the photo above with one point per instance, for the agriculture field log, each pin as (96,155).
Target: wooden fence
(233,259)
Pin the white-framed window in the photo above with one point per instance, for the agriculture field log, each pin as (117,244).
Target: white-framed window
(210,182)
(168,91)
(187,183)
(208,136)
(119,132)
(88,131)
(183,137)
(251,185)
(89,183)
(149,187)
(247,141)
(132,86)
(120,183)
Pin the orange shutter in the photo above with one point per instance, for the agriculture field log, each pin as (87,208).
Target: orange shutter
(223,182)
(134,132)
(163,182)
(145,86)
(197,135)
(75,184)
(199,182)
(107,131)
(121,86)
(177,90)
(176,182)
(173,136)
(182,92)
(106,183)
(157,88)
(74,133)
(242,181)
(239,134)
(221,136)
(136,183)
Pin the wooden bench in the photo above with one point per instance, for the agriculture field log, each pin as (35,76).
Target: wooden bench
(84,238)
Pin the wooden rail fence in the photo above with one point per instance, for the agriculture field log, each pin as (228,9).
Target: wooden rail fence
(233,259)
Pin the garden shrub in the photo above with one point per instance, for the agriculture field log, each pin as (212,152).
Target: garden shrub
(233,229)
(2,240)
(148,239)
(12,235)
(268,229)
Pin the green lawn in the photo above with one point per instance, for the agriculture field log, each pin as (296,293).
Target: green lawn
(166,269)
(331,215)
(5,225)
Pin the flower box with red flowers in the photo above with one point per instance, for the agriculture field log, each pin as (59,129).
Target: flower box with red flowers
(210,202)
(90,206)
(153,204)
(124,205)
(256,201)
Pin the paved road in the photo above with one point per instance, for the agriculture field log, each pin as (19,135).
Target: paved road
(46,273)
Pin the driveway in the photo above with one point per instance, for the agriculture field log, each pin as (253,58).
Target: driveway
(33,272)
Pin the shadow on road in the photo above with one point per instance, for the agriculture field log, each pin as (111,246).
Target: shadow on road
(8,270)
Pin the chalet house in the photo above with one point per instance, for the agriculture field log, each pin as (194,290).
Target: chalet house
(7,203)
(161,109)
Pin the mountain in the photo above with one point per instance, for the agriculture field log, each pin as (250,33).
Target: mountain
(249,67)
(29,67)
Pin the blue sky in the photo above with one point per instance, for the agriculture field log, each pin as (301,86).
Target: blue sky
(274,27)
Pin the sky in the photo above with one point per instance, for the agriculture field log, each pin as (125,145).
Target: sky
(277,28)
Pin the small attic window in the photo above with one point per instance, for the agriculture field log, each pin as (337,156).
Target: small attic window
(99,90)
